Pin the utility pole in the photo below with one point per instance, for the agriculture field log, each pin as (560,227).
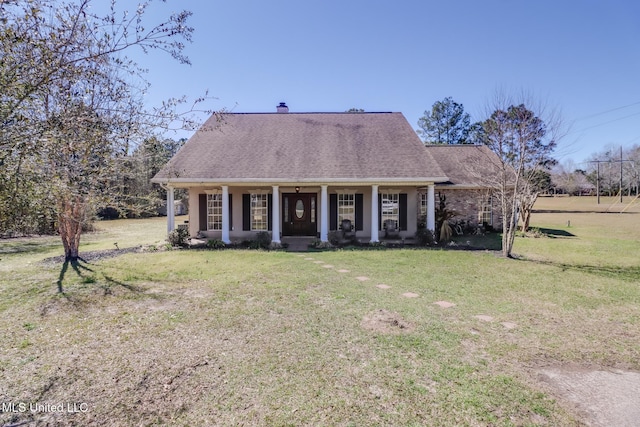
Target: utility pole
(621,161)
(621,173)
(598,176)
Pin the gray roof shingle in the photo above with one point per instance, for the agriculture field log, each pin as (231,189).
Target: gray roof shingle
(299,147)
(471,166)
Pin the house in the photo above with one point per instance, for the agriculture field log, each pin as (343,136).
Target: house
(472,172)
(302,174)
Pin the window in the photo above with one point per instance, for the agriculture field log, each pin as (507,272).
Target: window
(313,208)
(259,212)
(390,209)
(485,214)
(422,208)
(346,208)
(285,209)
(214,211)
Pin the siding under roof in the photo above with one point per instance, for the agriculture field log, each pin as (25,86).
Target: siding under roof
(299,147)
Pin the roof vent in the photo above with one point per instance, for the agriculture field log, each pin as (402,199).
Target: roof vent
(282,108)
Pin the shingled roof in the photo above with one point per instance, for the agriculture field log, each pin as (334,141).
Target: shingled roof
(303,147)
(468,166)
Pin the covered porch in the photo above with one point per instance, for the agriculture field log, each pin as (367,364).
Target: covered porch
(238,211)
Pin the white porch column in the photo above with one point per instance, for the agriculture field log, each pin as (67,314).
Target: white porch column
(324,214)
(375,221)
(171,218)
(275,215)
(431,208)
(225,214)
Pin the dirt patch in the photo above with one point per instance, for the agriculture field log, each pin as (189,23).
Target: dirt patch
(95,255)
(386,322)
(410,295)
(601,397)
(445,304)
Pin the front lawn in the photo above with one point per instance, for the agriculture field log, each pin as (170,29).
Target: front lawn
(274,338)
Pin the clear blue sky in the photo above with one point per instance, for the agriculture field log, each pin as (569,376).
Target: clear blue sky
(580,56)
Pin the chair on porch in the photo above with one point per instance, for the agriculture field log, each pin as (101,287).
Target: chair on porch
(348,230)
(391,231)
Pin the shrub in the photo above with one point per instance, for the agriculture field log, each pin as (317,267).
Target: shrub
(443,215)
(215,244)
(247,244)
(319,244)
(378,245)
(445,232)
(424,237)
(178,238)
(335,237)
(263,239)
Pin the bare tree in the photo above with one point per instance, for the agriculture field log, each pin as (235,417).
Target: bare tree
(567,178)
(615,169)
(72,102)
(523,142)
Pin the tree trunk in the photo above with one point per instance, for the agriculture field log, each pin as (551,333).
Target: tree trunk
(526,220)
(71,214)
(509,222)
(526,206)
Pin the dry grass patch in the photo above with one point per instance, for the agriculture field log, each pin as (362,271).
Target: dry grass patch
(386,322)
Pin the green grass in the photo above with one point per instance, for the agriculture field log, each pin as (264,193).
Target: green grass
(271,338)
(585,234)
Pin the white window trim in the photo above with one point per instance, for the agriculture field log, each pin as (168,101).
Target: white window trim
(213,218)
(266,210)
(423,203)
(383,216)
(353,206)
(260,191)
(484,203)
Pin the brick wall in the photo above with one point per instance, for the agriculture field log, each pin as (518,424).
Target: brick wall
(467,205)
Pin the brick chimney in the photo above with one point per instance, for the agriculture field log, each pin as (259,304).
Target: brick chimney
(282,108)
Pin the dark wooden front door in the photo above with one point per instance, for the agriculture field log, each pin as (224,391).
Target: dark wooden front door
(299,214)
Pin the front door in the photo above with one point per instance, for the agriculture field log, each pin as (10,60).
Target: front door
(299,214)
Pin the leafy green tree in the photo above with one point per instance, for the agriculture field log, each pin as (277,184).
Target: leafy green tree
(446,123)
(71,107)
(138,197)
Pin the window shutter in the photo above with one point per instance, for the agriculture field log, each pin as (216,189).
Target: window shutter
(246,212)
(269,212)
(359,211)
(230,213)
(379,212)
(202,210)
(402,212)
(333,211)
